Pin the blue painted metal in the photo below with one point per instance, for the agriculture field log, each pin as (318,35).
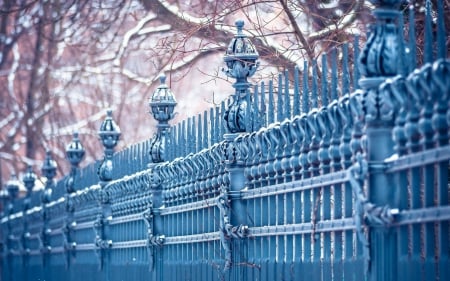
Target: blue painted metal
(162,104)
(241,59)
(354,189)
(75,154)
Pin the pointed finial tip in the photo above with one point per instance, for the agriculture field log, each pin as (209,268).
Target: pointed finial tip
(239,25)
(75,135)
(162,78)
(109,112)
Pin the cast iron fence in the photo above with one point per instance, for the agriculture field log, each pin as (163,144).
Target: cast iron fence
(331,182)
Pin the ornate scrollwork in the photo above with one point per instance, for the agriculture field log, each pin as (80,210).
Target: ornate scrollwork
(152,239)
(226,229)
(366,212)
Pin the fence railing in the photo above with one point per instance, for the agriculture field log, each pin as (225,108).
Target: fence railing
(332,182)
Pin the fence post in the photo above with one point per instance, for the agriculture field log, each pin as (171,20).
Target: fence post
(241,60)
(29,179)
(48,171)
(109,134)
(152,218)
(74,153)
(162,104)
(379,61)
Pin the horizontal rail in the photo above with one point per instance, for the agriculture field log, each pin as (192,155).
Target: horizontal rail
(83,225)
(125,219)
(303,228)
(299,185)
(85,247)
(418,159)
(195,238)
(202,204)
(423,215)
(129,244)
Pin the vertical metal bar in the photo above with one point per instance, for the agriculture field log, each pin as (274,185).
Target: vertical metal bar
(402,67)
(441,34)
(326,245)
(280,113)
(248,111)
(314,88)
(296,91)
(324,81)
(263,105)
(184,137)
(199,133)
(305,101)
(287,98)
(334,76)
(356,74)
(206,134)
(271,116)
(252,257)
(256,118)
(222,123)
(216,125)
(193,135)
(345,70)
(428,188)
(441,128)
(428,48)
(412,39)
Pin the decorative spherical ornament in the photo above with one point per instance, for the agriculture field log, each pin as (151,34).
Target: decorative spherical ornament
(13,187)
(241,55)
(49,167)
(29,179)
(109,132)
(162,103)
(75,151)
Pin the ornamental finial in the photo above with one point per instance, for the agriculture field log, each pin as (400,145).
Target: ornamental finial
(241,59)
(162,79)
(240,25)
(162,105)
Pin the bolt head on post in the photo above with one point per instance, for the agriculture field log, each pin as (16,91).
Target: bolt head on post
(75,151)
(109,132)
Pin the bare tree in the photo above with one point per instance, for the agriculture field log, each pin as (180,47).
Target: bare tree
(63,63)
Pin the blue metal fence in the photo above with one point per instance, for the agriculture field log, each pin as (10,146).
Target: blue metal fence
(335,181)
